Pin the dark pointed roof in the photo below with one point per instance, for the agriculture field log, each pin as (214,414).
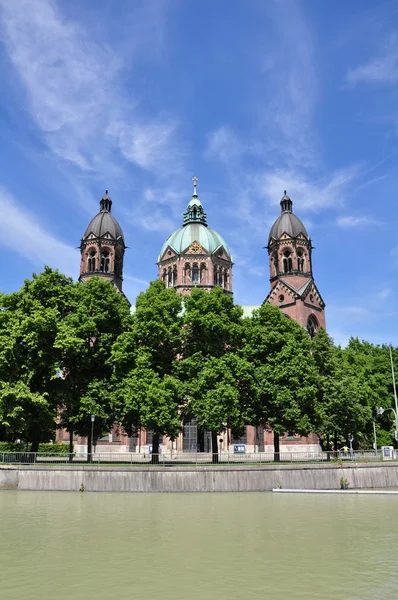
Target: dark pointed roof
(287,222)
(104,222)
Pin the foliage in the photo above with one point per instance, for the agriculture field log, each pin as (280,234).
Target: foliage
(85,337)
(69,351)
(285,373)
(146,393)
(43,448)
(215,380)
(29,322)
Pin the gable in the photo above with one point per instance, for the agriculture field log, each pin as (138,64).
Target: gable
(168,254)
(312,297)
(221,253)
(281,295)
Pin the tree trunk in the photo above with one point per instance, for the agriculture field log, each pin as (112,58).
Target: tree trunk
(36,435)
(277,449)
(155,449)
(214,447)
(70,446)
(328,446)
(201,439)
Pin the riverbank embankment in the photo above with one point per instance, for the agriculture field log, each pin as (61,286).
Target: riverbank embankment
(199,479)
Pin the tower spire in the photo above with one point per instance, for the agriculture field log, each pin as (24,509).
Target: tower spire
(106,202)
(195,212)
(195,181)
(286,203)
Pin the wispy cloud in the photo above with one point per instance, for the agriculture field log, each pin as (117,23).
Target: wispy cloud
(75,92)
(291,87)
(22,233)
(380,70)
(284,152)
(352,221)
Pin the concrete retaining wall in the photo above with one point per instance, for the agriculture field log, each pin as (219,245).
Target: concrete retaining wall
(205,479)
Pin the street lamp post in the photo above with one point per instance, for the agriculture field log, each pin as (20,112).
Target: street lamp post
(350,439)
(374,437)
(90,446)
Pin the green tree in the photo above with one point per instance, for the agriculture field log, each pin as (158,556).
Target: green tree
(146,392)
(285,374)
(84,341)
(212,333)
(29,372)
(218,393)
(370,365)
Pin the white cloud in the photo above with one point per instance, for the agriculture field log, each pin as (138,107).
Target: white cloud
(291,87)
(224,145)
(383,69)
(309,192)
(76,94)
(352,221)
(22,233)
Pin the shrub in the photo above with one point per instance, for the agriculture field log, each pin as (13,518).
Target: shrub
(43,448)
(344,483)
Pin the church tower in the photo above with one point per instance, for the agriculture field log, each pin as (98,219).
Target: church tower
(195,255)
(292,283)
(102,247)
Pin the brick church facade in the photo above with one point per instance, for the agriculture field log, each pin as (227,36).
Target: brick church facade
(195,255)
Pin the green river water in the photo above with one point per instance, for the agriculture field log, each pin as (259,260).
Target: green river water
(71,546)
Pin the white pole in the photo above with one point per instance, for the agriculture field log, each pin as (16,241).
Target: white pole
(395,390)
(375,437)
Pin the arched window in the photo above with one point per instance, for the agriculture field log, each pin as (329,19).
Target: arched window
(226,279)
(312,325)
(300,260)
(275,262)
(187,273)
(105,261)
(164,277)
(195,273)
(169,277)
(91,261)
(174,275)
(287,261)
(216,275)
(203,278)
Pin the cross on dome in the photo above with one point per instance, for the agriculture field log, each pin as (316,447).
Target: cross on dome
(195,180)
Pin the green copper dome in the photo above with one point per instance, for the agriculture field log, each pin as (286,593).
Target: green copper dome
(195,229)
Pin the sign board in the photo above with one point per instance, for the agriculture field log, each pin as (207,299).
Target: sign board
(387,452)
(239,449)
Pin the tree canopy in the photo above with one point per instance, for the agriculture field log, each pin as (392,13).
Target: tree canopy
(70,350)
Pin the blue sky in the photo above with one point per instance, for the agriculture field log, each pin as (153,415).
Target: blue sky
(253,97)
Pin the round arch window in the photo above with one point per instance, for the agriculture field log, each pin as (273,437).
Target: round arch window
(312,298)
(281,298)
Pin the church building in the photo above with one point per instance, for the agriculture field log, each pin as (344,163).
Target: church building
(195,255)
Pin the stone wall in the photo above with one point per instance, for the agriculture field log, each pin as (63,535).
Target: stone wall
(200,479)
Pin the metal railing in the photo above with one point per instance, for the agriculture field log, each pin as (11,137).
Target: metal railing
(169,459)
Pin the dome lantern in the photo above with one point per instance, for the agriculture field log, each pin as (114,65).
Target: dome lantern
(287,222)
(195,254)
